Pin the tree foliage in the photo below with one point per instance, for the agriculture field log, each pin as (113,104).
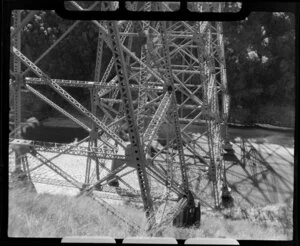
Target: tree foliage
(260,56)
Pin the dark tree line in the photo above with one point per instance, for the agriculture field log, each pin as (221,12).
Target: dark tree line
(260,56)
(260,59)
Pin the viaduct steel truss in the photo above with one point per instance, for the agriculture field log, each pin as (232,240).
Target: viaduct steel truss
(177,59)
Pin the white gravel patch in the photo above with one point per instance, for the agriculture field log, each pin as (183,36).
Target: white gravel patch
(280,158)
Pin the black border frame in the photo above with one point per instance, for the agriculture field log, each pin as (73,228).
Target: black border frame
(122,13)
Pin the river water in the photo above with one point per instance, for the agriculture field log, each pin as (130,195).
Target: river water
(260,136)
(68,134)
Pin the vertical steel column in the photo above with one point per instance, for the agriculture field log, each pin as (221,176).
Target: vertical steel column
(144,75)
(213,120)
(110,66)
(99,58)
(93,141)
(224,112)
(16,42)
(169,85)
(207,50)
(93,138)
(221,124)
(223,75)
(94,135)
(138,154)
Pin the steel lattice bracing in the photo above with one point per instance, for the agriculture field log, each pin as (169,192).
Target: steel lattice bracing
(165,77)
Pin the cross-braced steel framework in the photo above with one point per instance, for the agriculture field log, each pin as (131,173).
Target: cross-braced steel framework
(179,77)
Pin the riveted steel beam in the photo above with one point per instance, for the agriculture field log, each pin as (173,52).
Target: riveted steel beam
(139,156)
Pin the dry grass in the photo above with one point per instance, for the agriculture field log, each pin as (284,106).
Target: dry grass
(44,215)
(218,227)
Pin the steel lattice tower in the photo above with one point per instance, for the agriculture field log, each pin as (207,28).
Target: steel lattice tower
(175,80)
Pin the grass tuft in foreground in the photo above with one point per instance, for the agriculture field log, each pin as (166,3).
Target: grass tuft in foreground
(45,215)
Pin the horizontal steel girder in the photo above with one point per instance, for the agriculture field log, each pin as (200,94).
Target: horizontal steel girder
(52,147)
(91,84)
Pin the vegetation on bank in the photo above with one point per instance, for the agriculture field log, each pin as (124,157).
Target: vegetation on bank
(282,116)
(45,215)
